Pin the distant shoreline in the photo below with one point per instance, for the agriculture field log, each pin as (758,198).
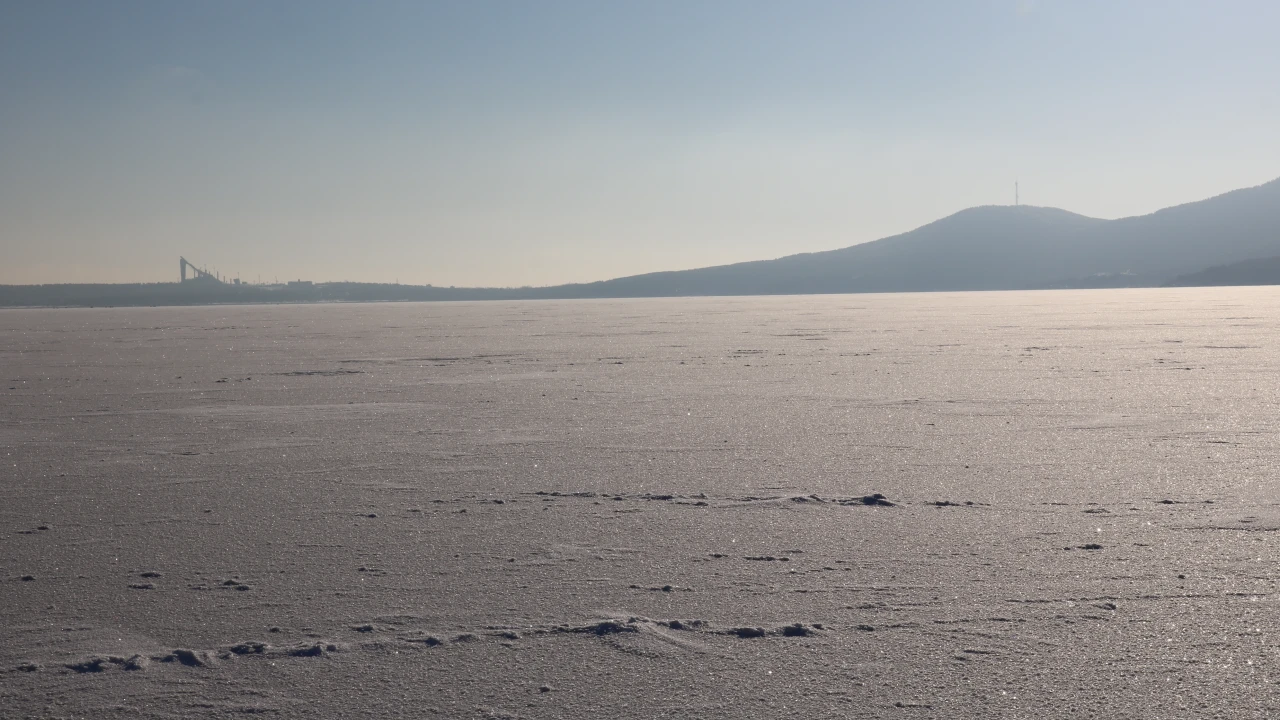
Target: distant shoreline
(12,297)
(1230,239)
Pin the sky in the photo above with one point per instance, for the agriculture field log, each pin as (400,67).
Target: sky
(485,143)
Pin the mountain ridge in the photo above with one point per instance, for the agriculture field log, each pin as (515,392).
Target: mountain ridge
(997,247)
(987,247)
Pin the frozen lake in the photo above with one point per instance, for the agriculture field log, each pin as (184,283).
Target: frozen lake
(499,509)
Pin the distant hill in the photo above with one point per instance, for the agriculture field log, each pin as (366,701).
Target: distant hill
(1262,271)
(983,248)
(997,248)
(1226,229)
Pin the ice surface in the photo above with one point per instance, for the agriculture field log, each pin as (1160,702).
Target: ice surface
(645,508)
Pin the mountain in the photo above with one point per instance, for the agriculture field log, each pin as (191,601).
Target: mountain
(1259,271)
(1226,229)
(983,248)
(996,248)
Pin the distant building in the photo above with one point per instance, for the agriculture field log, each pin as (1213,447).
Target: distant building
(200,274)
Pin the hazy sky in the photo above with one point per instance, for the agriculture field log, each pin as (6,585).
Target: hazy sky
(512,143)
